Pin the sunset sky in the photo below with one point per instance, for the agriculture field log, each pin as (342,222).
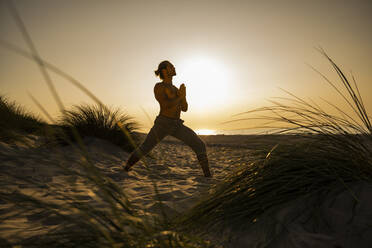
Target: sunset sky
(233,56)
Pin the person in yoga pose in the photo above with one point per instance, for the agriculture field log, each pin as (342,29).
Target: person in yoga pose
(172,101)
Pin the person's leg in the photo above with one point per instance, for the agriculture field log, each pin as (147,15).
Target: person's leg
(190,138)
(156,134)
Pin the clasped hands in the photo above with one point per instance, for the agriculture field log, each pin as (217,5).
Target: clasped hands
(182,91)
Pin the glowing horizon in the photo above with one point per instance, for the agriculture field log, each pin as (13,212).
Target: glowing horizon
(205,132)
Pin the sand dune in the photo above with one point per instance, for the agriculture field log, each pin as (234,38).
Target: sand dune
(172,166)
(175,170)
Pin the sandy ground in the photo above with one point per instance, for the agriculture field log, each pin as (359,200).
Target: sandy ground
(176,172)
(172,166)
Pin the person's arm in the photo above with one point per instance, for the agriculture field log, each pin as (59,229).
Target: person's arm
(182,91)
(164,100)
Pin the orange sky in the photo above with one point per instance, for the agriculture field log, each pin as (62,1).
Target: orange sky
(233,56)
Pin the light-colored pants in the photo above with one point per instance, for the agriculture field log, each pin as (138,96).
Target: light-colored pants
(164,126)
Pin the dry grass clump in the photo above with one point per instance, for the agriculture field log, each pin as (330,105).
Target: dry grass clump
(101,122)
(285,175)
(85,120)
(15,119)
(337,152)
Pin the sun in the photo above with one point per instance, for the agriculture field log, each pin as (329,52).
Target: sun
(207,82)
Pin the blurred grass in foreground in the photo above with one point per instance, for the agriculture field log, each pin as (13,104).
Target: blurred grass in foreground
(336,151)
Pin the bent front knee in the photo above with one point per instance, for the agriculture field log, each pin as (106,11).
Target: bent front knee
(201,148)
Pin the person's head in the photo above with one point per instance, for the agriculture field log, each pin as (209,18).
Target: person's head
(165,69)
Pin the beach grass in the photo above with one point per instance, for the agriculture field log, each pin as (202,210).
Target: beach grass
(97,121)
(335,152)
(15,119)
(85,120)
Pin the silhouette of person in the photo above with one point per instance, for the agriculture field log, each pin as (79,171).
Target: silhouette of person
(172,101)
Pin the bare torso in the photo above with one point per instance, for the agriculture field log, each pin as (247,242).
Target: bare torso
(171,104)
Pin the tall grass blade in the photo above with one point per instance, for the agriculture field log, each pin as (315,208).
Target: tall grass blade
(25,34)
